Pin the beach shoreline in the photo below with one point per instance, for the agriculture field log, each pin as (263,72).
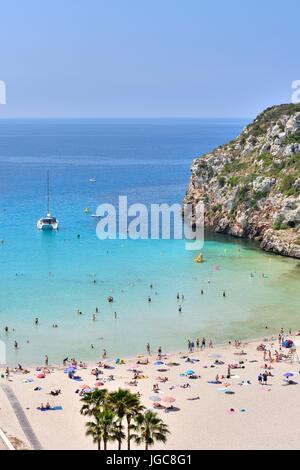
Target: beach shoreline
(204,419)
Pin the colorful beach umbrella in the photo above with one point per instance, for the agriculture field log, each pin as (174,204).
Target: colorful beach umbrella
(158,363)
(155,398)
(288,374)
(288,343)
(168,399)
(190,372)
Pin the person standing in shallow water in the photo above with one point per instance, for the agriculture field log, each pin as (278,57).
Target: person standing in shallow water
(148,349)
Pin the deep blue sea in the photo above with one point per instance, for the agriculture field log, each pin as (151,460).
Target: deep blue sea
(51,275)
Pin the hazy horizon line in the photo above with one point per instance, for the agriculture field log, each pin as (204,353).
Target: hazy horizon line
(126,117)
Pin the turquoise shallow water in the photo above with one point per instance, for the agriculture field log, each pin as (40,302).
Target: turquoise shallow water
(148,160)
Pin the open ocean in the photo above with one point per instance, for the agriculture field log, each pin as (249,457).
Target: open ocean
(148,160)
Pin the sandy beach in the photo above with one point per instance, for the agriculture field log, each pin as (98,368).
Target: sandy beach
(237,413)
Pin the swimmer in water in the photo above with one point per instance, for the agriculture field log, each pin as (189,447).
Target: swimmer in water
(36,321)
(149,299)
(94,317)
(116,315)
(224,293)
(179,309)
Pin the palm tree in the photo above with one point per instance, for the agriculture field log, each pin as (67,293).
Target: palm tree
(110,428)
(95,430)
(103,428)
(134,408)
(94,402)
(150,428)
(125,404)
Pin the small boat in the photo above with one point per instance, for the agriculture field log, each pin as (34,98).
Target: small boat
(49,222)
(96,216)
(92,180)
(199,258)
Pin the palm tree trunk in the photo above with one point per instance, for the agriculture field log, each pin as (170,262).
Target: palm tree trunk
(146,447)
(128,433)
(105,444)
(120,440)
(99,444)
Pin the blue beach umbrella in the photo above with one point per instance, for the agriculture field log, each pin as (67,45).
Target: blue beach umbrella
(155,398)
(190,372)
(158,363)
(288,343)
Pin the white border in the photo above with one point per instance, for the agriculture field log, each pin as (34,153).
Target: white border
(6,441)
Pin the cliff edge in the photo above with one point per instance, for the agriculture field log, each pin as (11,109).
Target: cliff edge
(251,186)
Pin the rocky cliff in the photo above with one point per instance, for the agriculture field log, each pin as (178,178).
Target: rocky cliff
(251,186)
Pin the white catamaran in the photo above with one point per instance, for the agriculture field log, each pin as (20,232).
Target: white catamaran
(49,222)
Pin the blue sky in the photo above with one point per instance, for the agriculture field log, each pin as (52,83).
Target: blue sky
(147,57)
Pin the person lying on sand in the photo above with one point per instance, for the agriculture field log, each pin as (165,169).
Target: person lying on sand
(265,366)
(132,383)
(158,405)
(162,379)
(240,353)
(143,362)
(55,393)
(44,407)
(185,386)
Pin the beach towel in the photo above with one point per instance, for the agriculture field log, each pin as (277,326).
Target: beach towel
(53,408)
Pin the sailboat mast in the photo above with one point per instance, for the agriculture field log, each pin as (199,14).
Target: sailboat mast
(48,193)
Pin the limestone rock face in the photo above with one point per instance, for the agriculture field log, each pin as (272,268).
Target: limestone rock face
(251,186)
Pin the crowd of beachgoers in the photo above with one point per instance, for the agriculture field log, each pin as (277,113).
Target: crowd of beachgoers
(208,382)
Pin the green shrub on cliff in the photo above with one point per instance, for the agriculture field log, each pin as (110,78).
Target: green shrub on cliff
(286,185)
(292,139)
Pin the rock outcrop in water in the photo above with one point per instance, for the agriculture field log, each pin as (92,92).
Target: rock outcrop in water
(251,186)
